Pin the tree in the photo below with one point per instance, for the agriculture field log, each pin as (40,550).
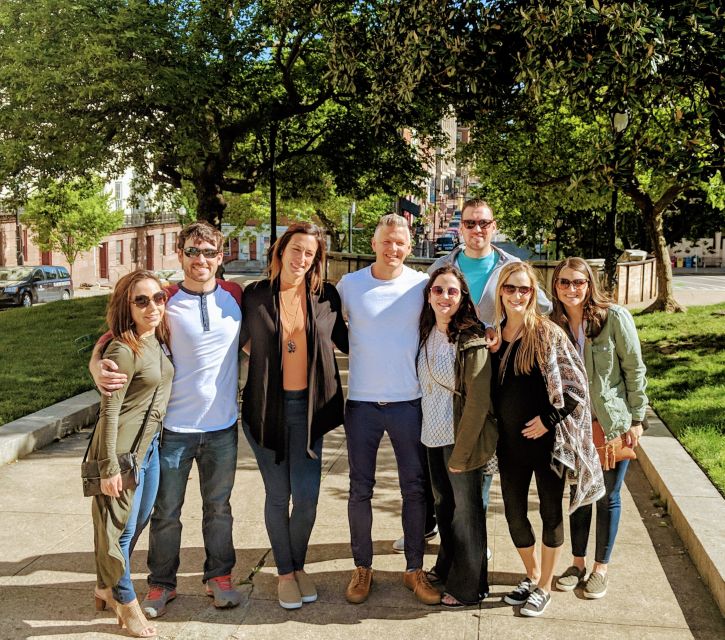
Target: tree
(216,94)
(71,217)
(652,70)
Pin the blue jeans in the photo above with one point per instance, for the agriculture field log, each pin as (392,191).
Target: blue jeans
(296,477)
(143,502)
(215,453)
(462,563)
(609,509)
(365,424)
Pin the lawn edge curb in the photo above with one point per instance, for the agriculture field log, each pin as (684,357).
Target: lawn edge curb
(21,437)
(694,504)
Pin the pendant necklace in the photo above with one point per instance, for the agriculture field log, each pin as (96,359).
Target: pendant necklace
(291,346)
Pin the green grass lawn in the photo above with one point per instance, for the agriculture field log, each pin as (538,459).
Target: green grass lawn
(685,356)
(41,364)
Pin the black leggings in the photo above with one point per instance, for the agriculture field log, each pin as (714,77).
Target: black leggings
(515,481)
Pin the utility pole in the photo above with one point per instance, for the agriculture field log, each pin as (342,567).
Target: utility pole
(350,216)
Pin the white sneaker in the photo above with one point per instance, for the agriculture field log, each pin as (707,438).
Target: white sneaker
(489,554)
(399,544)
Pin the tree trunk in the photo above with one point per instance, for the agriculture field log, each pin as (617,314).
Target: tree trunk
(610,247)
(331,228)
(665,301)
(211,201)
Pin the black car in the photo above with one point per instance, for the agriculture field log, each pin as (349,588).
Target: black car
(26,285)
(445,244)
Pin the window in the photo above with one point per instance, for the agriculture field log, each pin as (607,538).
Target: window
(162,244)
(133,249)
(174,240)
(227,246)
(118,194)
(119,251)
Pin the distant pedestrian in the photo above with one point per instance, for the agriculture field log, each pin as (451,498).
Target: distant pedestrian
(130,419)
(606,338)
(459,434)
(542,409)
(293,396)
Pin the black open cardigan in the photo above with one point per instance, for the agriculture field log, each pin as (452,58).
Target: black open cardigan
(262,400)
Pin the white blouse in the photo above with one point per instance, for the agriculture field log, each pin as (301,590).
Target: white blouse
(437,375)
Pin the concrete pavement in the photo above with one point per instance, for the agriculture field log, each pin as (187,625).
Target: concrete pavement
(47,572)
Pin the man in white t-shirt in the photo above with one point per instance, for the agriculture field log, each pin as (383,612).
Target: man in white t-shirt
(382,304)
(204,316)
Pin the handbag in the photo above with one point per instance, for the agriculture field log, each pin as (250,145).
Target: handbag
(128,462)
(610,452)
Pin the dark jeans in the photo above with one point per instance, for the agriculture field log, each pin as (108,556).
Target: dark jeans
(462,563)
(365,424)
(296,477)
(215,453)
(515,481)
(430,516)
(143,502)
(609,508)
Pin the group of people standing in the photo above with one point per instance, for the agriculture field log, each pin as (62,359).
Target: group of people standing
(461,368)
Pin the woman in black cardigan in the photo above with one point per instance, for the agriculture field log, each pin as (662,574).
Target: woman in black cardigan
(291,323)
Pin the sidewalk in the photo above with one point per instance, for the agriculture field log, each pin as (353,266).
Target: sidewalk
(47,574)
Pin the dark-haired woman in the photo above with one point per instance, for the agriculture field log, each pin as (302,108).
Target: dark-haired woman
(542,409)
(291,323)
(130,415)
(606,338)
(459,436)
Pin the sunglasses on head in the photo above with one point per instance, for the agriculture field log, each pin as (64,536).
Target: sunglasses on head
(452,292)
(472,224)
(195,252)
(159,299)
(565,283)
(510,289)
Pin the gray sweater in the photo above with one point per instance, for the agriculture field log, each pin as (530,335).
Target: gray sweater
(486,306)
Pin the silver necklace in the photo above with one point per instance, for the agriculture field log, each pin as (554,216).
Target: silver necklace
(291,345)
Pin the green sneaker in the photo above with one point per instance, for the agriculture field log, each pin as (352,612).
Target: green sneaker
(569,580)
(596,586)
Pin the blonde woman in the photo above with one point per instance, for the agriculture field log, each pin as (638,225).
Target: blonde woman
(542,408)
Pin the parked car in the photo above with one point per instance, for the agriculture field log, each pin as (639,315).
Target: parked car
(445,244)
(27,285)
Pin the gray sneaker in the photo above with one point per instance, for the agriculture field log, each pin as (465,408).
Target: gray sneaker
(154,604)
(536,604)
(596,586)
(224,594)
(570,579)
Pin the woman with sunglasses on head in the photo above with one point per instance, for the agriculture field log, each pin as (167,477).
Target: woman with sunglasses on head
(606,338)
(129,420)
(460,438)
(291,323)
(542,407)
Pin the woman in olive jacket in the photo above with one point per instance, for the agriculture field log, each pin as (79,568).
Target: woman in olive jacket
(458,432)
(605,335)
(291,323)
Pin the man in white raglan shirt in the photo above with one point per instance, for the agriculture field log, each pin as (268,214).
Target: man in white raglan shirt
(204,316)
(382,304)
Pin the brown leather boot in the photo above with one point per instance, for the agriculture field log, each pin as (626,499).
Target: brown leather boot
(417,581)
(359,588)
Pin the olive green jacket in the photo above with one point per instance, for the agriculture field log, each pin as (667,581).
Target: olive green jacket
(474,427)
(616,373)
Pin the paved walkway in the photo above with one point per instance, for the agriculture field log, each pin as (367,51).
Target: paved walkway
(47,574)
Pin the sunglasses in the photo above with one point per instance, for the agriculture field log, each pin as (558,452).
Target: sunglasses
(159,299)
(437,290)
(564,283)
(510,289)
(195,252)
(472,224)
